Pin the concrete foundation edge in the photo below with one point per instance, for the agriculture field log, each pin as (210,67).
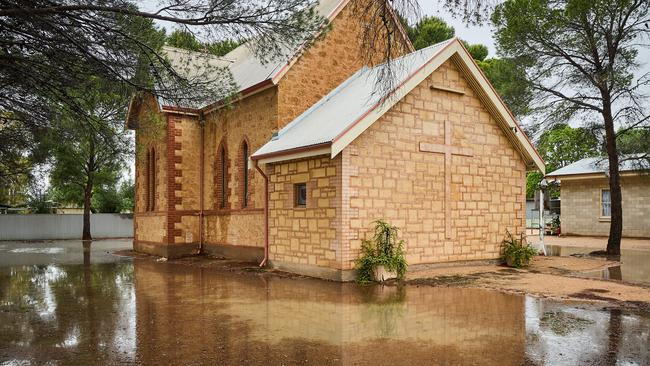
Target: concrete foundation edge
(165,250)
(331,274)
(243,253)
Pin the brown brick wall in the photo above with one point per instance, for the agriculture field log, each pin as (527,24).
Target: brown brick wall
(184,152)
(325,65)
(253,120)
(581,207)
(305,235)
(391,179)
(151,134)
(150,225)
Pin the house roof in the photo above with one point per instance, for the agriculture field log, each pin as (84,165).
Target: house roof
(600,166)
(342,115)
(247,70)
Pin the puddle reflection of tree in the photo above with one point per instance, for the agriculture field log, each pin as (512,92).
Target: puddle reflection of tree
(614,336)
(86,251)
(65,312)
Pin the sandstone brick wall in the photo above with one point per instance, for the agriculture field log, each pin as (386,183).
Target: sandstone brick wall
(581,211)
(326,64)
(391,179)
(151,134)
(306,235)
(184,172)
(150,227)
(253,120)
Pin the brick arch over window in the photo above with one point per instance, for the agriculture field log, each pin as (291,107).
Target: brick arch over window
(244,174)
(222,177)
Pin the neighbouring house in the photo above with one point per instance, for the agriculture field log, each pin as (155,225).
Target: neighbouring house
(586,203)
(294,171)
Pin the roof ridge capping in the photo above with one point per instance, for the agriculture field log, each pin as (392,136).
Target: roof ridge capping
(341,117)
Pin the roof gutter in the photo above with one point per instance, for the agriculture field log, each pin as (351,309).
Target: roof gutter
(294,153)
(181,110)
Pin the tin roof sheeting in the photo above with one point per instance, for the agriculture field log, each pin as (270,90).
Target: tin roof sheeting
(339,109)
(599,165)
(246,69)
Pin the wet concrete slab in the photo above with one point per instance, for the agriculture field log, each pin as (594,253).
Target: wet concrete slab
(634,264)
(139,311)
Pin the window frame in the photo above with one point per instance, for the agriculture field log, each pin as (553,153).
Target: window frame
(245,176)
(150,188)
(223,171)
(601,213)
(296,195)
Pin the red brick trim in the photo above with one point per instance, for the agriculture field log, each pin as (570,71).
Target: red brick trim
(173,216)
(149,214)
(222,161)
(235,211)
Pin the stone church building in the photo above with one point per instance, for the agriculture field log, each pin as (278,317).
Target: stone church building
(295,170)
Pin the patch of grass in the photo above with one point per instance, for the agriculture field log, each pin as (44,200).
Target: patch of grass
(562,323)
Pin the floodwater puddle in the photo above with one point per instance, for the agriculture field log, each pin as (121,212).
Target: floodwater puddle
(138,311)
(634,263)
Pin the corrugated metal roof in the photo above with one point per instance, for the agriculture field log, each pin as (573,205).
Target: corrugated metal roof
(246,69)
(335,112)
(599,165)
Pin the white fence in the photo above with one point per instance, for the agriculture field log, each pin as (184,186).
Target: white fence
(46,226)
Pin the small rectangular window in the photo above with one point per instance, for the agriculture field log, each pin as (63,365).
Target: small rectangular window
(605,203)
(300,195)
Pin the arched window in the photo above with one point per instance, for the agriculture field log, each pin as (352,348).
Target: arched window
(151,180)
(147,180)
(222,177)
(244,174)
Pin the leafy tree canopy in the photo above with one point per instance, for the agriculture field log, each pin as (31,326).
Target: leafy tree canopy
(507,75)
(89,154)
(559,147)
(478,51)
(429,31)
(187,40)
(583,67)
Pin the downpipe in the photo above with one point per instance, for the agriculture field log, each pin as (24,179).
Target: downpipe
(201,183)
(266,215)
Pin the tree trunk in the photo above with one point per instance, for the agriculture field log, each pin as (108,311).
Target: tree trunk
(616,224)
(88,192)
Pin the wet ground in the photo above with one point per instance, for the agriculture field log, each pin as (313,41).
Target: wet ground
(139,311)
(634,266)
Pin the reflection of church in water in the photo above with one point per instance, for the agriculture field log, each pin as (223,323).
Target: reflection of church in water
(198,315)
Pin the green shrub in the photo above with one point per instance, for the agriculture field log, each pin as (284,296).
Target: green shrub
(383,250)
(516,252)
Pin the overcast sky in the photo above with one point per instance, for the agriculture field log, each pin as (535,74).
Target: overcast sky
(471,34)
